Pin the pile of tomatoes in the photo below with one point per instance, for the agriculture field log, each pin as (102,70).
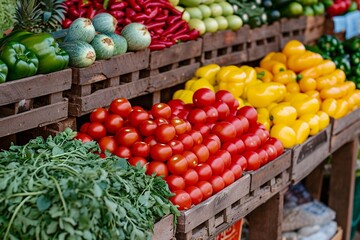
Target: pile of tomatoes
(198,148)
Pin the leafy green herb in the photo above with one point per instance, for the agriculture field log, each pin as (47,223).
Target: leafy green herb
(59,188)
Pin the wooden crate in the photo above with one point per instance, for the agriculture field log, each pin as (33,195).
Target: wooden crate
(292,28)
(307,156)
(329,29)
(344,129)
(315,27)
(34,101)
(211,217)
(225,47)
(174,65)
(164,228)
(96,86)
(263,40)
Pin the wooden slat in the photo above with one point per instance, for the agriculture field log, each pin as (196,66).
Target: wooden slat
(345,136)
(115,66)
(35,86)
(314,181)
(270,170)
(228,59)
(344,122)
(176,53)
(315,26)
(164,229)
(293,28)
(33,118)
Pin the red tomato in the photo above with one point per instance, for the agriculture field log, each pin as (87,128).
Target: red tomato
(223,110)
(189,106)
(176,146)
(217,183)
(244,122)
(113,123)
(270,150)
(99,115)
(107,143)
(150,140)
(203,129)
(127,136)
(138,108)
(191,158)
(203,97)
(230,147)
(228,177)
(202,152)
(191,177)
(238,124)
(179,124)
(175,182)
(157,167)
(84,127)
(176,104)
(195,194)
(263,156)
(225,156)
(196,136)
(123,152)
(134,161)
(165,133)
(226,97)
(234,108)
(211,145)
(161,121)
(137,116)
(241,161)
(216,138)
(278,145)
(140,149)
(181,199)
(160,152)
(224,130)
(206,189)
(96,131)
(177,164)
(240,146)
(249,112)
(212,114)
(83,137)
(188,126)
(217,165)
(252,159)
(204,171)
(120,106)
(147,128)
(251,141)
(196,116)
(187,141)
(182,114)
(237,170)
(161,110)
(261,133)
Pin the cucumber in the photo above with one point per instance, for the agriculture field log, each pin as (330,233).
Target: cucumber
(120,43)
(81,53)
(81,29)
(104,46)
(104,23)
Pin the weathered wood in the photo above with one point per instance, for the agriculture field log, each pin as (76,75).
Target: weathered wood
(342,181)
(176,53)
(115,66)
(346,135)
(342,123)
(164,228)
(307,156)
(35,86)
(34,118)
(292,28)
(226,38)
(270,170)
(265,220)
(315,26)
(314,181)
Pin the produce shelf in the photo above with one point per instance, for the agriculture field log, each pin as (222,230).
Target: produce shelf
(314,28)
(292,28)
(164,228)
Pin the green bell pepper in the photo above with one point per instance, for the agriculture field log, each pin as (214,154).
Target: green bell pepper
(319,8)
(328,43)
(3,71)
(328,3)
(343,63)
(352,45)
(51,57)
(355,70)
(20,61)
(294,9)
(353,7)
(255,22)
(13,36)
(355,59)
(308,2)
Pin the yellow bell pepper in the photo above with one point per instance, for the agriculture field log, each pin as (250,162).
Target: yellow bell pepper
(263,74)
(283,114)
(293,87)
(241,102)
(268,64)
(314,94)
(209,72)
(302,61)
(321,69)
(342,108)
(262,94)
(324,120)
(295,97)
(263,112)
(314,122)
(340,75)
(307,84)
(249,85)
(190,82)
(305,106)
(201,83)
(284,133)
(280,57)
(251,75)
(264,121)
(268,56)
(293,47)
(302,130)
(353,100)
(329,106)
(285,77)
(223,72)
(235,88)
(184,95)
(326,81)
(337,91)
(348,86)
(278,67)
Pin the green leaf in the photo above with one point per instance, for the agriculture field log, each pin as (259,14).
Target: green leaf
(52,227)
(43,203)
(121,163)
(97,190)
(57,151)
(111,205)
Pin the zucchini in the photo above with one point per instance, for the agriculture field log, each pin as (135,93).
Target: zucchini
(81,53)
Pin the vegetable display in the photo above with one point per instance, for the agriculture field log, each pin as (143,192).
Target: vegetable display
(59,188)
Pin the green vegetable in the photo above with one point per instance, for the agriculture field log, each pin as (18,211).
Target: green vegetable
(81,53)
(307,2)
(104,23)
(328,3)
(267,4)
(308,11)
(59,189)
(353,7)
(343,63)
(20,61)
(3,71)
(104,46)
(352,45)
(280,3)
(355,71)
(316,49)
(120,43)
(273,15)
(293,9)
(13,36)
(328,43)
(355,59)
(319,8)
(255,22)
(51,57)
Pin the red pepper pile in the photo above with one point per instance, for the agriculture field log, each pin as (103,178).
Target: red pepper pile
(163,21)
(338,8)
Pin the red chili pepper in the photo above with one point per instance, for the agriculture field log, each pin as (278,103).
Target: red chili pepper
(156,4)
(129,13)
(98,5)
(166,43)
(161,18)
(140,17)
(118,5)
(117,14)
(66,23)
(82,12)
(182,31)
(172,19)
(134,5)
(153,25)
(127,21)
(73,12)
(69,3)
(174,27)
(83,4)
(157,46)
(194,34)
(90,13)
(183,37)
(154,13)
